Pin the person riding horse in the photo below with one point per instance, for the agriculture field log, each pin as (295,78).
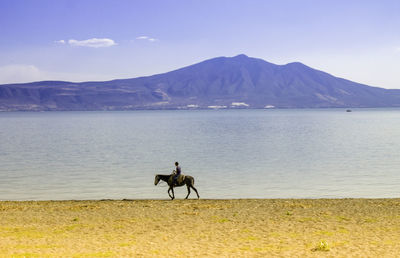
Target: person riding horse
(172,181)
(177,172)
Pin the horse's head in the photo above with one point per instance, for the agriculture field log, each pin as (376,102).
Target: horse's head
(156,180)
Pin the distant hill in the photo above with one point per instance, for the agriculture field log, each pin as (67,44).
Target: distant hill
(222,82)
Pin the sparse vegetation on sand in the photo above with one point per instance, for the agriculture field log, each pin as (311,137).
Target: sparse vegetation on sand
(268,227)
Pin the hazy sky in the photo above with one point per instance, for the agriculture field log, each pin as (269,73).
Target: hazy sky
(79,40)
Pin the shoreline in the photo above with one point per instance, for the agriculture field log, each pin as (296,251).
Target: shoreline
(206,227)
(203,199)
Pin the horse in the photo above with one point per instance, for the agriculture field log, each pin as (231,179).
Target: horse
(188,181)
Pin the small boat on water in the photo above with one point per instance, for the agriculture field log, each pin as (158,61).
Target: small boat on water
(348,110)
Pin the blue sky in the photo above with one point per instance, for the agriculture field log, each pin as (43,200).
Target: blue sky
(80,40)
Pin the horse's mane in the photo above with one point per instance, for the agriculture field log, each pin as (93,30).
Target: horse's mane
(163,177)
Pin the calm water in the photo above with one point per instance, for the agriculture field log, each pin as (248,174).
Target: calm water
(231,153)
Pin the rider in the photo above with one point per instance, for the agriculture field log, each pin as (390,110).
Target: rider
(177,172)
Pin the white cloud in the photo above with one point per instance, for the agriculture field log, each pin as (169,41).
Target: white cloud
(60,42)
(146,38)
(94,42)
(19,73)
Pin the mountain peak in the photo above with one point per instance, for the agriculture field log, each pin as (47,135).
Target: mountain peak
(295,64)
(298,66)
(241,56)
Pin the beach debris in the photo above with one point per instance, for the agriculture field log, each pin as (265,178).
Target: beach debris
(322,246)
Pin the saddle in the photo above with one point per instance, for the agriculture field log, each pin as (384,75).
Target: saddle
(179,180)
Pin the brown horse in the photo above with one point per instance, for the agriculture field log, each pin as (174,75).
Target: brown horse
(188,181)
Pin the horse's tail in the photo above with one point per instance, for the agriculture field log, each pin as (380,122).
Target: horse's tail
(192,180)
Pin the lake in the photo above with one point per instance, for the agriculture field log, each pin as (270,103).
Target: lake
(293,153)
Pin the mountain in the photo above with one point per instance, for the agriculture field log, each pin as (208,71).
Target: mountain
(222,82)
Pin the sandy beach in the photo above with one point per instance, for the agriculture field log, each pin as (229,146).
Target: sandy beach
(228,228)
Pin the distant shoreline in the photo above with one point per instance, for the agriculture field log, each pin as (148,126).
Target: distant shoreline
(206,199)
(199,109)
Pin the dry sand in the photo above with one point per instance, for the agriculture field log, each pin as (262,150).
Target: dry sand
(227,228)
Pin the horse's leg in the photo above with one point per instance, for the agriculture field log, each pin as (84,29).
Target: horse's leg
(188,187)
(169,189)
(173,194)
(198,196)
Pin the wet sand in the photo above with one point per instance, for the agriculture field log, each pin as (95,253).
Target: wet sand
(228,228)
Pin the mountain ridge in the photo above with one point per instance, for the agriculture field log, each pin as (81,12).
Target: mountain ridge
(221,82)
